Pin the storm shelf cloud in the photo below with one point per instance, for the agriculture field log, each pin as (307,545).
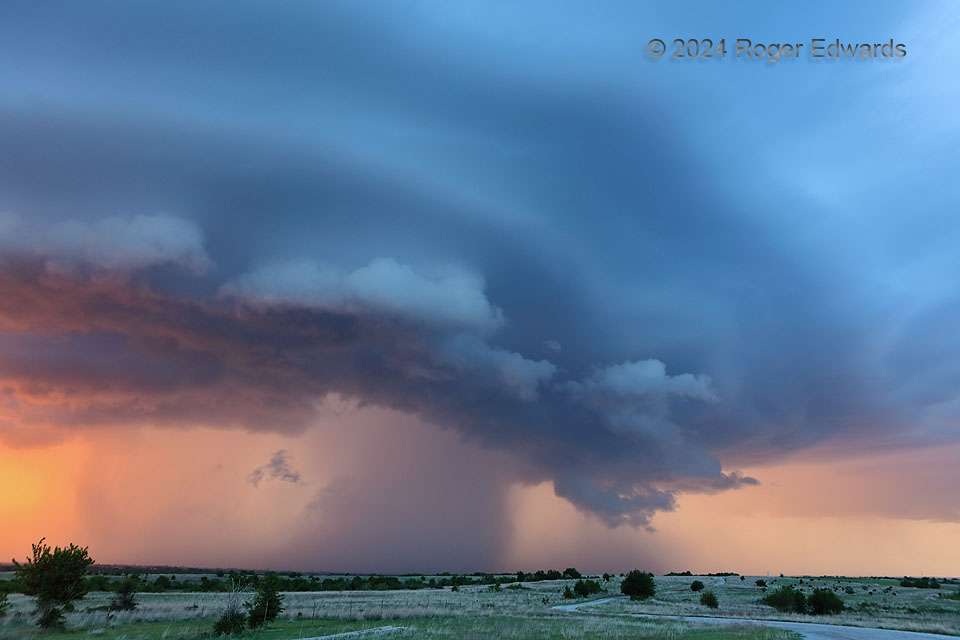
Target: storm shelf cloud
(261,351)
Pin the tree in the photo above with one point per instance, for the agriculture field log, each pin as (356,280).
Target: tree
(125,592)
(696,585)
(267,604)
(824,602)
(761,583)
(638,585)
(572,573)
(585,588)
(56,578)
(708,599)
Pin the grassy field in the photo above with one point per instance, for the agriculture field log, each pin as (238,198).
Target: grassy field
(478,612)
(874,603)
(471,613)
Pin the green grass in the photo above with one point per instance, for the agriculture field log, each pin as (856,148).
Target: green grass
(546,627)
(908,609)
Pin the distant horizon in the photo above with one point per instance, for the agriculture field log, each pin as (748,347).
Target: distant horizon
(165,569)
(397,285)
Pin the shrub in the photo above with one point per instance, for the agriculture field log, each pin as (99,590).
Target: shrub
(56,578)
(267,603)
(4,604)
(848,590)
(696,585)
(567,593)
(761,583)
(124,594)
(786,599)
(638,585)
(708,599)
(232,621)
(824,602)
(606,577)
(585,588)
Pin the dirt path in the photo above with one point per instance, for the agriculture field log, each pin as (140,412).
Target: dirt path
(810,630)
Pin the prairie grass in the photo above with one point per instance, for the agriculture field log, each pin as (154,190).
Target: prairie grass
(906,609)
(471,613)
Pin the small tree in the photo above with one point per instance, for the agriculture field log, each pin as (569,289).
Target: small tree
(824,602)
(708,599)
(267,604)
(585,588)
(696,585)
(125,594)
(638,585)
(56,578)
(567,593)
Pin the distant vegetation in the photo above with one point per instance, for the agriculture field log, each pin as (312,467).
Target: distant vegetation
(709,599)
(137,583)
(696,585)
(920,583)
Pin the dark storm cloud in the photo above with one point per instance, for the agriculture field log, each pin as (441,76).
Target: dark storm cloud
(223,225)
(88,346)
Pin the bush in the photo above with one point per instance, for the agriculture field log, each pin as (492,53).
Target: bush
(585,588)
(56,578)
(267,604)
(761,583)
(824,602)
(742,578)
(786,599)
(638,585)
(4,604)
(696,585)
(708,599)
(232,621)
(848,590)
(124,594)
(567,593)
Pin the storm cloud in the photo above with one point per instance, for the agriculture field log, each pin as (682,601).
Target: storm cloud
(416,209)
